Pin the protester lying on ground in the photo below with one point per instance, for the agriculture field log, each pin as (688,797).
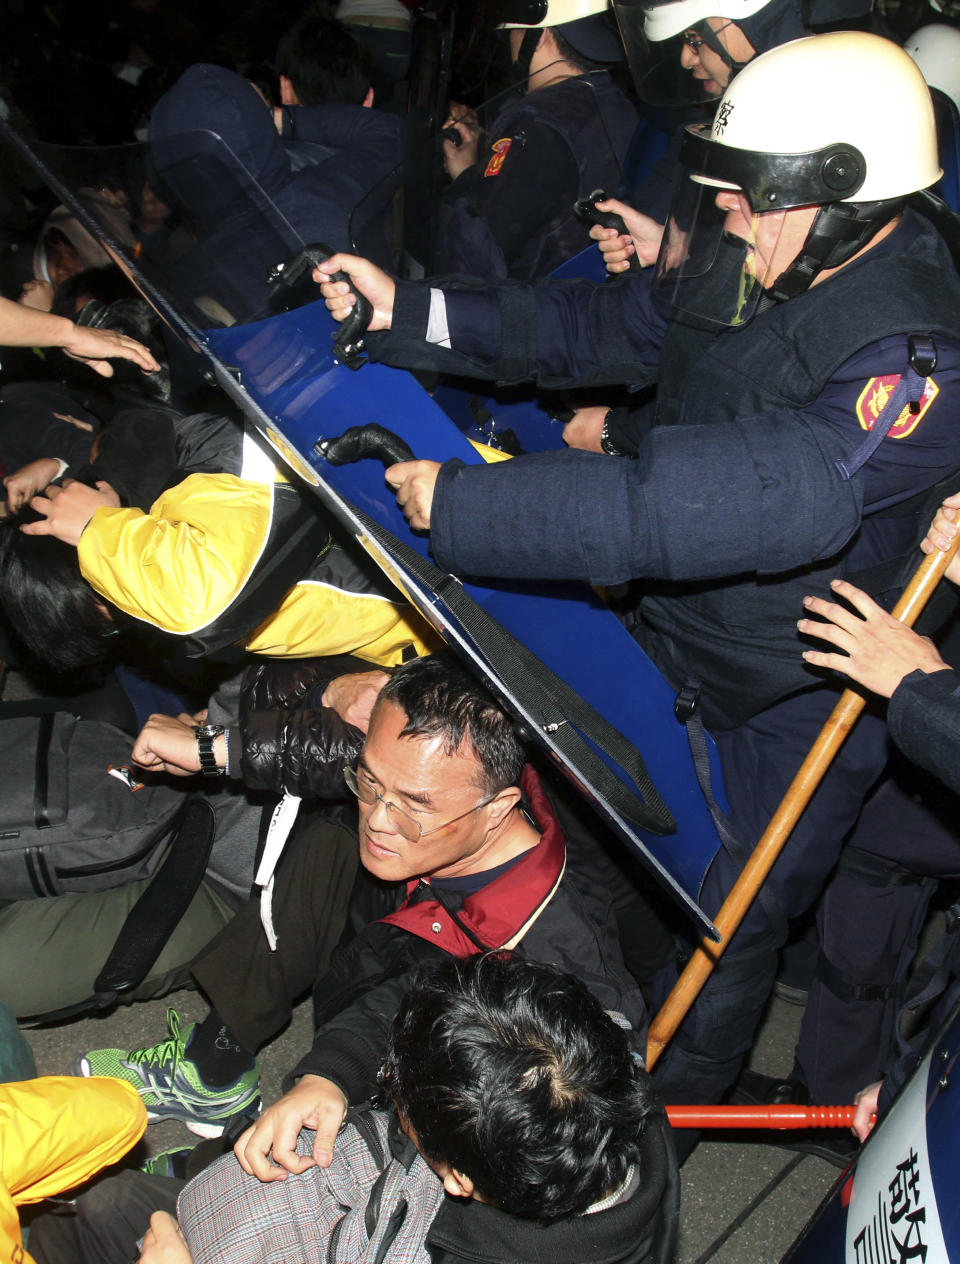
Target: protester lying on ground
(505,1086)
(231,554)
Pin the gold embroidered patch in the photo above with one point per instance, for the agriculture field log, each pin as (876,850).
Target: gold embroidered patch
(874,396)
(500,150)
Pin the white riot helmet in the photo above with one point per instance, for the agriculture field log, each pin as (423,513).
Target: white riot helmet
(936,50)
(584,24)
(842,122)
(841,117)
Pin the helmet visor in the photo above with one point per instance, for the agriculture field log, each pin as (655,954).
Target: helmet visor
(772,181)
(718,255)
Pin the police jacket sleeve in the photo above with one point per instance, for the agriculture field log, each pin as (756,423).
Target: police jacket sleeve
(924,720)
(288,741)
(486,224)
(349,1049)
(368,143)
(760,494)
(557,333)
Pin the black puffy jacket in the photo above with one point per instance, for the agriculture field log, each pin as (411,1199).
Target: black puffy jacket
(288,741)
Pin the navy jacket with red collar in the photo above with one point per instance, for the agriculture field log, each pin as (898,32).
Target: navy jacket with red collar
(550,906)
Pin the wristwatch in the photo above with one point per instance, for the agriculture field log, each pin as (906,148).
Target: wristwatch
(206,736)
(605,441)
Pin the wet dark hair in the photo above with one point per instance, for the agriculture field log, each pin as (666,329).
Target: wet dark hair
(512,1073)
(323,62)
(441,699)
(48,605)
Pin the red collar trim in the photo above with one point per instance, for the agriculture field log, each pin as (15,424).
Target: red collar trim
(499,914)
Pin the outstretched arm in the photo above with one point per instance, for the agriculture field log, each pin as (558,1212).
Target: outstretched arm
(26,327)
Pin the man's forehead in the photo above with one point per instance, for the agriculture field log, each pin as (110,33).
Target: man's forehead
(388,750)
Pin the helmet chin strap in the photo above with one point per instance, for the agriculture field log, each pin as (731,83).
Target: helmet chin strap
(712,40)
(520,69)
(839,230)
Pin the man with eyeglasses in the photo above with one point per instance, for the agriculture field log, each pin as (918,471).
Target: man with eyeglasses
(466,856)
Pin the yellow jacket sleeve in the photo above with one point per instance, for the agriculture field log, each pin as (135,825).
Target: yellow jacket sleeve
(181,565)
(55,1133)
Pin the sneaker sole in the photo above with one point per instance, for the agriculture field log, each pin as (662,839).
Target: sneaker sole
(206,1128)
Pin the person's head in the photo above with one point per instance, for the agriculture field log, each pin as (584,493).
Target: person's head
(437,777)
(690,50)
(936,50)
(803,174)
(516,1086)
(574,35)
(319,62)
(49,607)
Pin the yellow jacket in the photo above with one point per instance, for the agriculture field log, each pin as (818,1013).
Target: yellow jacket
(190,565)
(55,1133)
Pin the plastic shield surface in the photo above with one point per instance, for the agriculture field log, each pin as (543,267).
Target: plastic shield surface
(282,373)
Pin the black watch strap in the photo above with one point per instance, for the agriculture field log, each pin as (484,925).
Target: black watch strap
(206,736)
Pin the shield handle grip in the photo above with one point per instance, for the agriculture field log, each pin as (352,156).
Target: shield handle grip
(361,443)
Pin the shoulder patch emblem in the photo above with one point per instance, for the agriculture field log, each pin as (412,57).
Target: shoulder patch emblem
(500,150)
(876,393)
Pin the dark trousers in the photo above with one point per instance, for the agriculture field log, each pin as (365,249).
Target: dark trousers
(759,760)
(106,1222)
(254,989)
(869,923)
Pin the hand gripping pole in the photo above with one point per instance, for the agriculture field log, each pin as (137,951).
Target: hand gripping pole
(812,771)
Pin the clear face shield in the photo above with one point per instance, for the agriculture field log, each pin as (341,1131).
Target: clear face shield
(674,68)
(718,255)
(742,219)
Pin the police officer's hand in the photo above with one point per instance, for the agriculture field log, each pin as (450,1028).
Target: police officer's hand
(584,427)
(942,533)
(268,1149)
(878,651)
(414,482)
(865,1115)
(372,282)
(643,239)
(457,158)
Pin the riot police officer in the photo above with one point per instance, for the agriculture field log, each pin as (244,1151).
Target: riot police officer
(509,209)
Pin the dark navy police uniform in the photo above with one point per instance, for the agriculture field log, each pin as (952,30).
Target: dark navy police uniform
(736,506)
(511,213)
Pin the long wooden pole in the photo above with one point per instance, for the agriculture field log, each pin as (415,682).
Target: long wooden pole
(822,753)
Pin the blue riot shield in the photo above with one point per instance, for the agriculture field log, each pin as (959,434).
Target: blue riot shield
(574,679)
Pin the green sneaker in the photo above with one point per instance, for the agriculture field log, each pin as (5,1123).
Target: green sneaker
(168,1163)
(170,1084)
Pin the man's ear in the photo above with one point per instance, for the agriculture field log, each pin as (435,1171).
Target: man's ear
(367,101)
(458,1183)
(287,94)
(502,804)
